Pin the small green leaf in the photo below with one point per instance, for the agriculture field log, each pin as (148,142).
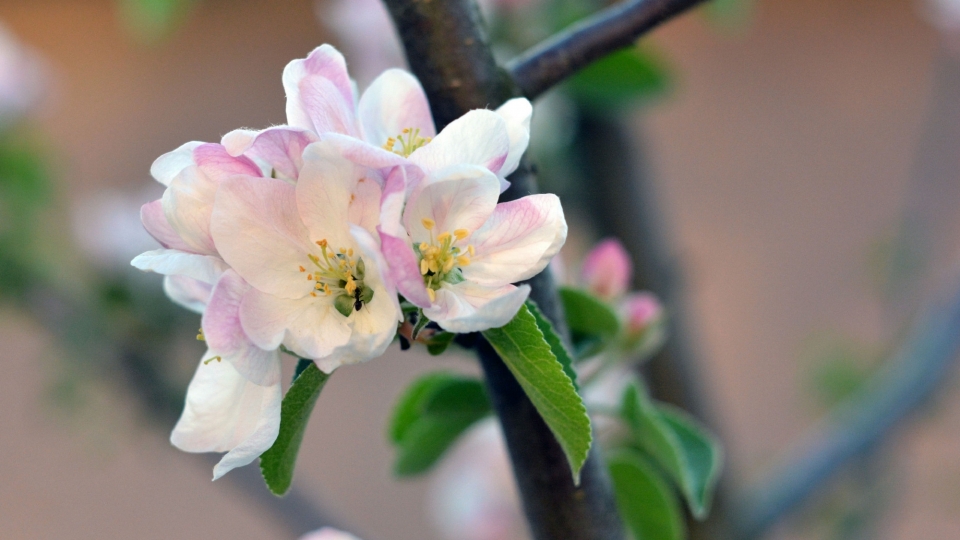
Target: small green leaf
(556,345)
(431,415)
(621,78)
(525,351)
(439,342)
(344,304)
(278,462)
(680,446)
(302,365)
(592,321)
(648,505)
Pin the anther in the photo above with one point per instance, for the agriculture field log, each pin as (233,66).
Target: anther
(302,269)
(428,223)
(432,294)
(208,360)
(443,237)
(463,261)
(461,233)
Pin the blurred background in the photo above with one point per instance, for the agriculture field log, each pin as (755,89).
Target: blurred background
(802,157)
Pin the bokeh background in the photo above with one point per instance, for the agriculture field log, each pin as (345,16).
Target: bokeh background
(796,138)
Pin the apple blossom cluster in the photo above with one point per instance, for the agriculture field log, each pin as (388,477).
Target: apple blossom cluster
(314,238)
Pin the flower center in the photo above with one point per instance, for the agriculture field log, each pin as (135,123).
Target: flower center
(441,257)
(339,275)
(409,140)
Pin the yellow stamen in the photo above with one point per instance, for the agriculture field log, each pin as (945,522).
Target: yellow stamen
(322,243)
(447,266)
(313,294)
(432,294)
(461,233)
(423,267)
(428,223)
(471,251)
(302,269)
(208,360)
(463,261)
(200,336)
(443,237)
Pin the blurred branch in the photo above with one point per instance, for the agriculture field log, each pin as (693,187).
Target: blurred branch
(907,381)
(553,60)
(448,52)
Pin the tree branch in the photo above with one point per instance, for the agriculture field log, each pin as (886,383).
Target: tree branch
(447,50)
(550,62)
(906,382)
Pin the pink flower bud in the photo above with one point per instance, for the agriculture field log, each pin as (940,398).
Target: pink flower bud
(641,310)
(607,270)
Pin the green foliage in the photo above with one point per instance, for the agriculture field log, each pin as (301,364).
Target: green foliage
(592,322)
(556,345)
(153,20)
(438,344)
(620,79)
(677,443)
(525,351)
(647,504)
(433,412)
(278,462)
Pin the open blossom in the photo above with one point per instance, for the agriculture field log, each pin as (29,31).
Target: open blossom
(311,260)
(389,125)
(607,269)
(453,251)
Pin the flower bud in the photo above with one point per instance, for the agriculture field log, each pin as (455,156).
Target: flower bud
(607,269)
(641,310)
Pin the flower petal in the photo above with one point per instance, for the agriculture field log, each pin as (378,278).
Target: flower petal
(394,101)
(224,412)
(223,332)
(467,307)
(218,164)
(333,192)
(518,241)
(366,154)
(404,272)
(279,148)
(171,262)
(462,198)
(516,113)
(169,165)
(310,326)
(156,224)
(258,231)
(187,292)
(607,269)
(324,62)
(479,137)
(187,205)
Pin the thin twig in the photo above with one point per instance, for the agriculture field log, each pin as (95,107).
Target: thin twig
(553,60)
(906,382)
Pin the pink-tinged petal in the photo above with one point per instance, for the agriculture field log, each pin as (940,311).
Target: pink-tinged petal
(170,262)
(258,231)
(518,241)
(403,270)
(311,327)
(516,113)
(327,193)
(328,110)
(218,164)
(156,224)
(366,154)
(169,165)
(641,310)
(462,198)
(394,101)
(224,412)
(325,62)
(223,332)
(187,205)
(479,137)
(279,148)
(373,329)
(187,292)
(467,307)
(376,266)
(607,269)
(392,202)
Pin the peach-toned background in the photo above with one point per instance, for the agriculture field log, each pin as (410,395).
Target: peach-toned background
(783,156)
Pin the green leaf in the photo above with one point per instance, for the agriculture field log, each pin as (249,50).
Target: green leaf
(278,462)
(431,415)
(439,342)
(648,505)
(678,444)
(621,78)
(525,351)
(592,321)
(556,345)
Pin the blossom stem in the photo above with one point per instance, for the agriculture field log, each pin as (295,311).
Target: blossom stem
(448,52)
(550,62)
